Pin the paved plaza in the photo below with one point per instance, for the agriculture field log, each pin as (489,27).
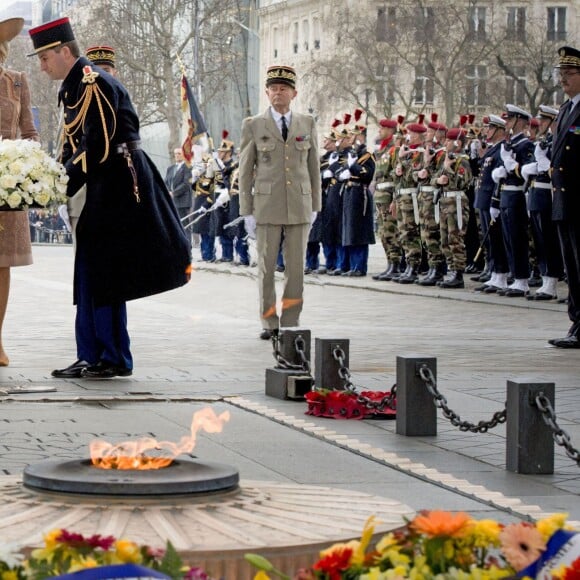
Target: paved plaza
(198,346)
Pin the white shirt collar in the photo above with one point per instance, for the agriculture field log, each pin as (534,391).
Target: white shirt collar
(278,118)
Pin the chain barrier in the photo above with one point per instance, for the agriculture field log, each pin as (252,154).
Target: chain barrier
(387,401)
(283,362)
(441,402)
(560,436)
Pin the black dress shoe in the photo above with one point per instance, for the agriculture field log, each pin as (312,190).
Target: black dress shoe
(491,289)
(378,276)
(280,268)
(515,293)
(567,342)
(355,274)
(541,296)
(105,370)
(321,270)
(337,272)
(268,333)
(71,372)
(308,271)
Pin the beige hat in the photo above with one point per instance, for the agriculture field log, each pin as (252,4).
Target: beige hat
(10,28)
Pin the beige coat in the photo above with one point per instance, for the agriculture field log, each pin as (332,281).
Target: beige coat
(15,114)
(279,181)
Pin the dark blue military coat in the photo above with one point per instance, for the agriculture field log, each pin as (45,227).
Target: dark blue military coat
(485,185)
(129,231)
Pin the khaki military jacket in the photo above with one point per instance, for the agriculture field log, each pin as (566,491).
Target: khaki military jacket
(279,180)
(15,114)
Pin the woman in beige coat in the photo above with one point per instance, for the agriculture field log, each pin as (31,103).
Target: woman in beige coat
(15,122)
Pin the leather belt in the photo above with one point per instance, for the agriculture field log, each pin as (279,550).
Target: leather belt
(512,188)
(121,148)
(540,185)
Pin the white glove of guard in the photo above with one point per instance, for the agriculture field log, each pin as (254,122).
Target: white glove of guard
(210,171)
(223,197)
(529,169)
(508,159)
(332,158)
(541,156)
(202,210)
(327,174)
(474,148)
(351,159)
(344,175)
(498,174)
(313,217)
(250,225)
(494,212)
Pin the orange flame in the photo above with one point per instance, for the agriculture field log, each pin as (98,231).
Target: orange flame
(137,454)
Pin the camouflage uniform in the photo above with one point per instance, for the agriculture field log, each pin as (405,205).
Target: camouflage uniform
(408,213)
(454,215)
(429,218)
(384,195)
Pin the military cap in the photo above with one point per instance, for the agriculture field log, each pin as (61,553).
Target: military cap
(280,73)
(456,133)
(496,121)
(547,112)
(434,123)
(418,126)
(515,111)
(390,123)
(568,56)
(101,55)
(51,34)
(226,145)
(10,28)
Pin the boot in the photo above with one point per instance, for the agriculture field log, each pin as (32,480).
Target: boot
(518,289)
(410,275)
(484,276)
(454,279)
(377,276)
(547,291)
(424,281)
(401,274)
(535,280)
(432,277)
(392,271)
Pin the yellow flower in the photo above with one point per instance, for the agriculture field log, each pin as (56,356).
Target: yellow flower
(358,555)
(83,563)
(386,542)
(127,551)
(261,575)
(374,574)
(484,533)
(50,539)
(549,525)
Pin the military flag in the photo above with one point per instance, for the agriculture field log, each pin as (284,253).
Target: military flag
(193,122)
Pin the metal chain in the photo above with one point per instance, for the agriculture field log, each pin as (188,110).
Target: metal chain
(560,436)
(441,402)
(284,363)
(388,401)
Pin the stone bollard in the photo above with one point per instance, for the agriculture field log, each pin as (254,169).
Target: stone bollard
(529,441)
(416,411)
(290,383)
(325,366)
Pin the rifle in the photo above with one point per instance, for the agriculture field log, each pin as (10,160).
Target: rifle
(482,245)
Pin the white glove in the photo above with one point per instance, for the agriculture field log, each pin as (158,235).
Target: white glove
(474,149)
(210,171)
(216,157)
(541,156)
(494,212)
(223,197)
(351,159)
(332,158)
(202,210)
(313,217)
(508,159)
(344,175)
(529,169)
(250,225)
(327,174)
(498,174)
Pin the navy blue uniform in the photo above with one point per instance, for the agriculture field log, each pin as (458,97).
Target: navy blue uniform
(484,188)
(130,242)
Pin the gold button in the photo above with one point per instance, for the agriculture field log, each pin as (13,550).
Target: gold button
(567,147)
(563,189)
(287,158)
(561,168)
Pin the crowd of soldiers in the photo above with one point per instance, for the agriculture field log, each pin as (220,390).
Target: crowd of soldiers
(429,184)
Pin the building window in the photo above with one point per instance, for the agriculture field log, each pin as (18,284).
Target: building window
(557,23)
(424,87)
(476,85)
(295,37)
(275,37)
(516,87)
(306,35)
(424,22)
(386,24)
(516,23)
(476,23)
(316,33)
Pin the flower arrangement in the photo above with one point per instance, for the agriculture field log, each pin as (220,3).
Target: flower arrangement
(347,404)
(29,177)
(65,552)
(442,545)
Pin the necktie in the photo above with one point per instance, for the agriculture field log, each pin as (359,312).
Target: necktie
(284,128)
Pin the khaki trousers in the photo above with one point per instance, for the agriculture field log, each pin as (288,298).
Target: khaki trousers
(268,238)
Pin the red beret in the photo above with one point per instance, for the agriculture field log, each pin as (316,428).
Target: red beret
(388,123)
(416,127)
(456,133)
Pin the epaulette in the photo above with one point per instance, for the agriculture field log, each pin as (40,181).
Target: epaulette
(364,158)
(89,75)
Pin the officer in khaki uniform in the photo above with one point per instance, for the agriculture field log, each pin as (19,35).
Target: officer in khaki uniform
(280,186)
